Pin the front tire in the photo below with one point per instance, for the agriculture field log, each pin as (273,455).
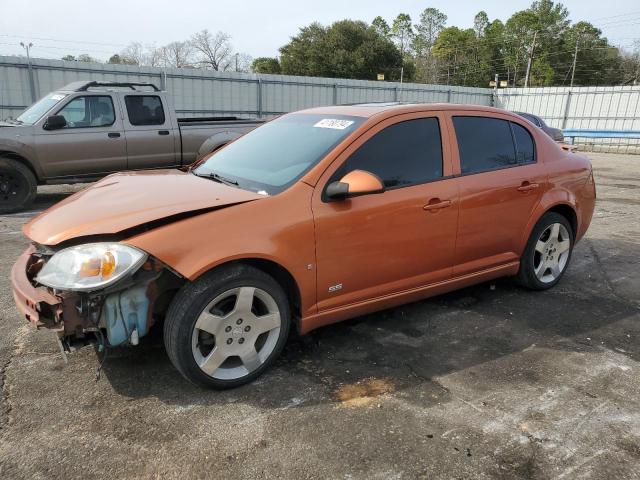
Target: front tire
(547,254)
(226,328)
(18,186)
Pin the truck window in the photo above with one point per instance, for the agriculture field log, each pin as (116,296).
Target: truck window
(144,110)
(35,112)
(89,111)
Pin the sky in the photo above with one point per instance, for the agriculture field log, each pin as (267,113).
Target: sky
(258,28)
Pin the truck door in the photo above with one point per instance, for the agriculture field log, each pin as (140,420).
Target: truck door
(149,132)
(92,142)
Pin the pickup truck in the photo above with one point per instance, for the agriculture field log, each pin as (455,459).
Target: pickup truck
(87,130)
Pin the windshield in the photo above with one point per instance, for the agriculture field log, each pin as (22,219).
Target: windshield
(35,112)
(270,158)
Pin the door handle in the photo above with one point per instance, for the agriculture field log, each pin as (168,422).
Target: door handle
(163,132)
(527,187)
(437,204)
(113,134)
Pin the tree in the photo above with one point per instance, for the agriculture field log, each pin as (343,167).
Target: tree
(518,37)
(631,65)
(177,55)
(402,32)
(455,49)
(480,23)
(381,26)
(432,21)
(137,54)
(596,61)
(241,62)
(266,65)
(85,57)
(214,50)
(117,59)
(346,49)
(69,58)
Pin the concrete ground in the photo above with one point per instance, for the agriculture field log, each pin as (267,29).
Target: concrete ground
(489,382)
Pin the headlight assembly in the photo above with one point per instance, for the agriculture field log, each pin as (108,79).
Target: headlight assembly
(90,267)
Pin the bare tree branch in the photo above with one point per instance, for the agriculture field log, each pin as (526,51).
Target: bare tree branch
(214,51)
(177,55)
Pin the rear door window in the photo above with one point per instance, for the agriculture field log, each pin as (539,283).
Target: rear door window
(403,154)
(484,144)
(144,110)
(525,148)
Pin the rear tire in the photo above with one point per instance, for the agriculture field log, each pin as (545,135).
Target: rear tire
(18,186)
(547,254)
(226,328)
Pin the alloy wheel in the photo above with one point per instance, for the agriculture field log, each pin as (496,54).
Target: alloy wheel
(551,253)
(236,333)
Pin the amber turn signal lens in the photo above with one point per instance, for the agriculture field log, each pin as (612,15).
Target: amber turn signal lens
(95,267)
(108,264)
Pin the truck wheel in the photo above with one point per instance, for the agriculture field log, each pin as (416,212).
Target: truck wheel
(18,186)
(547,254)
(227,328)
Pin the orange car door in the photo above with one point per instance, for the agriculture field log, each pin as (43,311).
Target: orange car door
(501,182)
(377,244)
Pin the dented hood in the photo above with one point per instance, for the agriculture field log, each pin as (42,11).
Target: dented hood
(128,200)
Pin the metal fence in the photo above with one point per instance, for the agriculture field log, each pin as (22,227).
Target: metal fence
(201,93)
(599,109)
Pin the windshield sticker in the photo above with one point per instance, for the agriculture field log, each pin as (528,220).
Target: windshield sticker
(334,123)
(57,97)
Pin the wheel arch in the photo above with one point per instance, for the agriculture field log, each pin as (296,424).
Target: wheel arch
(22,159)
(559,201)
(216,141)
(568,212)
(279,273)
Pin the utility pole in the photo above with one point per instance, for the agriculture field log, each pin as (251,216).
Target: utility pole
(401,58)
(575,58)
(533,46)
(32,85)
(236,62)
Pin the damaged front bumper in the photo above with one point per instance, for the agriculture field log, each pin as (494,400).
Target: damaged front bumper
(38,305)
(121,314)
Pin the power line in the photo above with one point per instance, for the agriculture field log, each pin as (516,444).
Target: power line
(84,42)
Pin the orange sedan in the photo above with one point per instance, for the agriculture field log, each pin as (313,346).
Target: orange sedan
(313,218)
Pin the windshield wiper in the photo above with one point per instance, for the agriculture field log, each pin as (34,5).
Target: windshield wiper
(217,178)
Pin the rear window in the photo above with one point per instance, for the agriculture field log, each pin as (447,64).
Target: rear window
(484,144)
(144,110)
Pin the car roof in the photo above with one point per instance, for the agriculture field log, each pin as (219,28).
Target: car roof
(394,108)
(527,114)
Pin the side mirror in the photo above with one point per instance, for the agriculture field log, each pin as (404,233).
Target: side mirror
(357,182)
(55,122)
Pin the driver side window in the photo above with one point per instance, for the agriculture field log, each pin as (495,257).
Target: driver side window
(89,111)
(404,154)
